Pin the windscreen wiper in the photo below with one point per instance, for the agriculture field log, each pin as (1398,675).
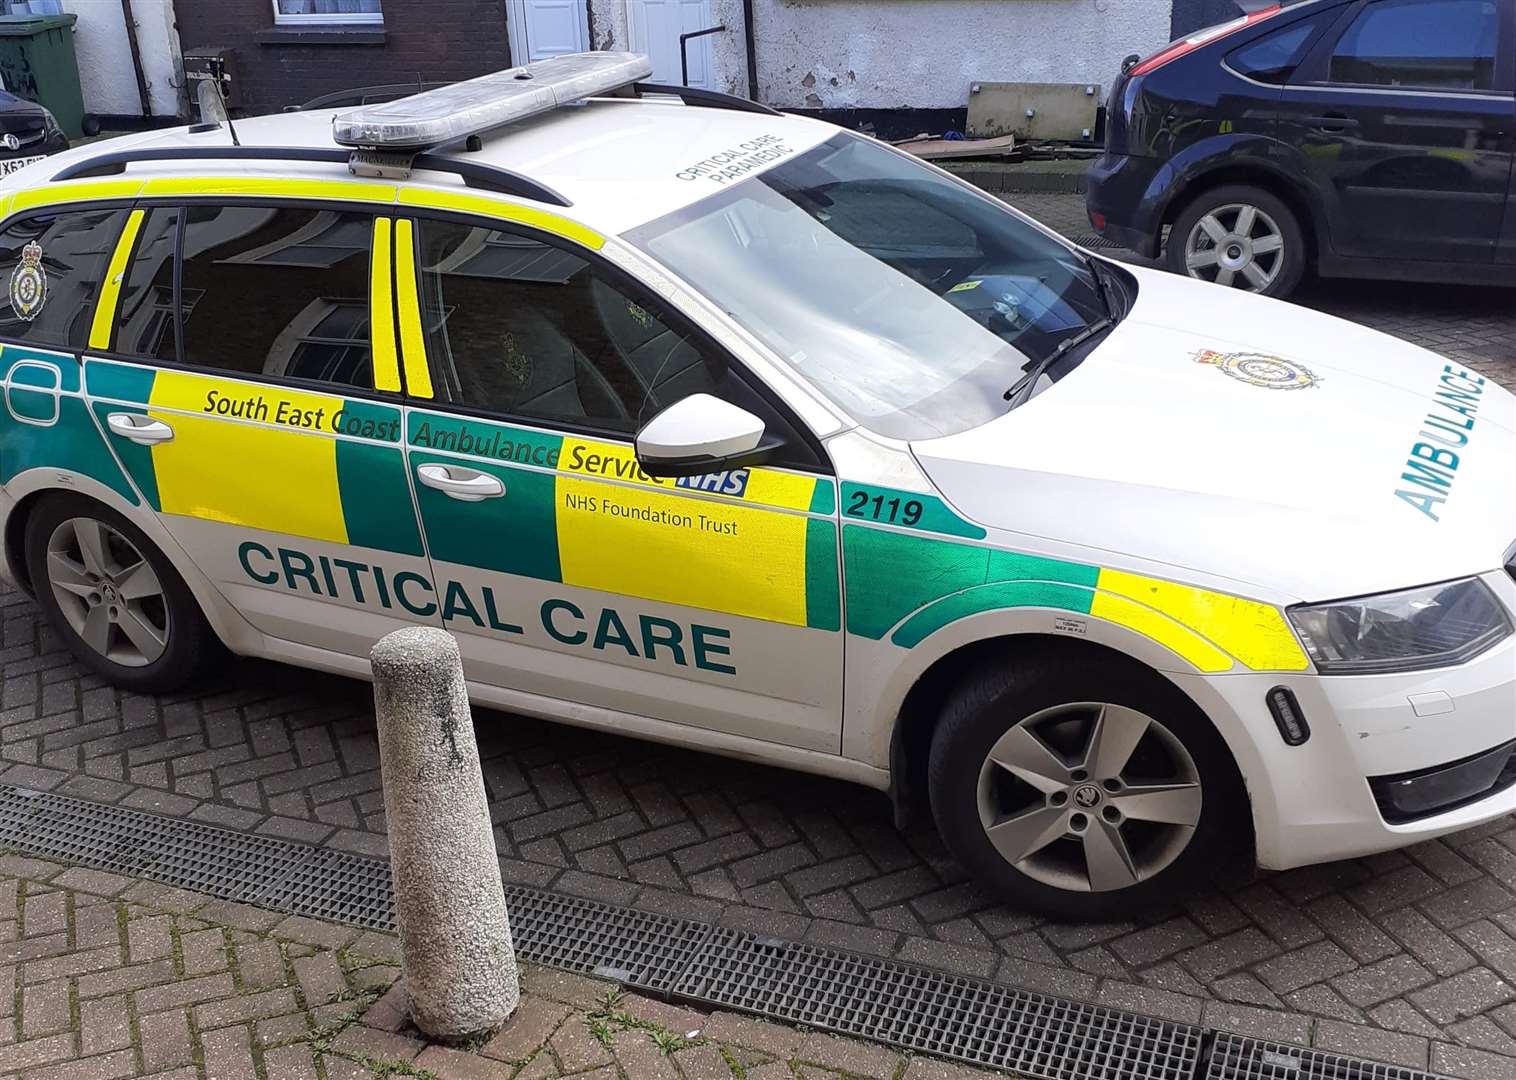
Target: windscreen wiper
(1024,386)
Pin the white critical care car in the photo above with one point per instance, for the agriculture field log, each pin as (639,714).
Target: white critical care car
(705,424)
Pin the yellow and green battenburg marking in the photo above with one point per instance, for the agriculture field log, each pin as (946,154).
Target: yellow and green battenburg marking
(907,587)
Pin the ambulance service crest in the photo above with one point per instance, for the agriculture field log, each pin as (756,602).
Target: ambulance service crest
(1257,369)
(29,283)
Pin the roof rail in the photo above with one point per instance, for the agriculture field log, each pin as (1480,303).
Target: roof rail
(473,173)
(710,99)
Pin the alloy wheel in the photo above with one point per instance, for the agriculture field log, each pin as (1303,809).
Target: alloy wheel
(108,592)
(1236,245)
(1089,797)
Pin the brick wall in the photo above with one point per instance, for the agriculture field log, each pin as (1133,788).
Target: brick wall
(443,40)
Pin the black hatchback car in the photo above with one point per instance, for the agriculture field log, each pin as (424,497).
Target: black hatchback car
(28,133)
(1358,138)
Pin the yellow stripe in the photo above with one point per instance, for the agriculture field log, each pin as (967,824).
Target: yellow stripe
(1256,634)
(662,545)
(110,292)
(352,190)
(496,208)
(281,479)
(1149,623)
(72,192)
(418,380)
(5,203)
(381,313)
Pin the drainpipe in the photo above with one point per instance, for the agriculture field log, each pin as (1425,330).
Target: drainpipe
(131,41)
(752,52)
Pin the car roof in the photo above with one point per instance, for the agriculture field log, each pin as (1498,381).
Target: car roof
(618,161)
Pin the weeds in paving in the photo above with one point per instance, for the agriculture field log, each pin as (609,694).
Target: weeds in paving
(609,1019)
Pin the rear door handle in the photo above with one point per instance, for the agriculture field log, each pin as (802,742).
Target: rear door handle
(140,429)
(1332,123)
(457,482)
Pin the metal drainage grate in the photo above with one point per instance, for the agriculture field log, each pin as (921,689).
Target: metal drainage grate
(972,1020)
(635,947)
(1234,1057)
(1093,240)
(948,1015)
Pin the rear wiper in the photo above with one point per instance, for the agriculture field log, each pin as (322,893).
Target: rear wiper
(1024,386)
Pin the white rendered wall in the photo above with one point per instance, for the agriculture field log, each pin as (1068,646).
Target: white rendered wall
(891,54)
(105,58)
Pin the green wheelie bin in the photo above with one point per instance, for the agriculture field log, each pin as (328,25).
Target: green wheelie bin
(37,63)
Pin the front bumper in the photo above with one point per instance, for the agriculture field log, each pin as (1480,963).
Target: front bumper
(1334,796)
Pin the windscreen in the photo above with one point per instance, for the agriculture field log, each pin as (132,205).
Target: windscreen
(910,300)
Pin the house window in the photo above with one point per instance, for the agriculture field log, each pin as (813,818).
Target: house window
(307,12)
(31,7)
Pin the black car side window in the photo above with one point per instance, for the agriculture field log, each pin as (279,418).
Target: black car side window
(1274,57)
(1420,44)
(51,269)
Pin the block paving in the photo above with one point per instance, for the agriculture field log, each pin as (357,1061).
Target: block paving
(1407,957)
(115,978)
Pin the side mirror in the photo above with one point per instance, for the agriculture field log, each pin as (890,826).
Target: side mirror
(696,435)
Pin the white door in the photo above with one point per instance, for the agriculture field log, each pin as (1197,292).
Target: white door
(656,26)
(542,28)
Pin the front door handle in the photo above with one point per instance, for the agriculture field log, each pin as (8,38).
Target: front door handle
(467,485)
(140,429)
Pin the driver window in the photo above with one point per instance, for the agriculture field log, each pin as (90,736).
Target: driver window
(519,327)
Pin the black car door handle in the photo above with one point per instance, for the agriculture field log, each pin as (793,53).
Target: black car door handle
(1332,122)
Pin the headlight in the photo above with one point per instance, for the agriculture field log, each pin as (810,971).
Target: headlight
(51,122)
(1432,626)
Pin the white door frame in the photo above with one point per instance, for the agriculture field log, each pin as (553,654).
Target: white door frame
(701,46)
(515,29)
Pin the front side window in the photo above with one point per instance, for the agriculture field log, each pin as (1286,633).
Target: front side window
(298,12)
(911,301)
(261,290)
(526,329)
(51,267)
(1420,44)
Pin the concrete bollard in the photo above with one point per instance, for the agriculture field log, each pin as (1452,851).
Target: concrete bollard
(455,938)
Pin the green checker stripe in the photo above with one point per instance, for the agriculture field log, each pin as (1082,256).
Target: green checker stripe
(994,597)
(137,459)
(892,576)
(376,505)
(72,443)
(824,498)
(823,600)
(119,382)
(905,510)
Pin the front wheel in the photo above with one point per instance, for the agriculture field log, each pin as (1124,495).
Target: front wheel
(114,597)
(1080,789)
(1239,236)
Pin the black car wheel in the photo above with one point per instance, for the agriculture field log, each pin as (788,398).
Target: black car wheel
(114,597)
(1239,236)
(1083,789)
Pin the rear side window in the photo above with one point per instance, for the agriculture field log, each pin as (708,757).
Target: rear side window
(1420,44)
(51,267)
(260,290)
(1274,57)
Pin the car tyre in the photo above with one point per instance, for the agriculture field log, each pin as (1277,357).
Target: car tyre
(1063,759)
(114,597)
(1240,236)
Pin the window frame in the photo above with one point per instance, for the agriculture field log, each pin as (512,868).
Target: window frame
(338,18)
(1314,72)
(638,292)
(374,210)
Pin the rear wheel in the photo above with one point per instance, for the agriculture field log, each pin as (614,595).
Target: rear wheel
(114,597)
(1239,236)
(1080,789)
